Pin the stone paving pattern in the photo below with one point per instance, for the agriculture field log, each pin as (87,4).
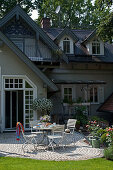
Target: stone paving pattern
(9,146)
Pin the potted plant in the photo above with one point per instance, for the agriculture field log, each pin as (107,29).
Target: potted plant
(43,106)
(93,128)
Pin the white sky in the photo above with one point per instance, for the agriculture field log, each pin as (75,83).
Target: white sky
(34,14)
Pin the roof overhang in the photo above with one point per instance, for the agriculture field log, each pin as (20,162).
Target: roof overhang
(78,82)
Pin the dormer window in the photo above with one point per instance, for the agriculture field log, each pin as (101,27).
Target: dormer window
(66,45)
(96,47)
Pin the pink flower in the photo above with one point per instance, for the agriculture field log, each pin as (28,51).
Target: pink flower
(87,125)
(107,134)
(97,125)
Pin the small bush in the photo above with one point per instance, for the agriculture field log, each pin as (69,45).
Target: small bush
(108,153)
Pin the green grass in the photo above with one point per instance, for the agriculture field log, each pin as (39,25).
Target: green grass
(8,163)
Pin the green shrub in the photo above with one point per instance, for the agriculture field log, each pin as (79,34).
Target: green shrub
(82,118)
(108,153)
(103,139)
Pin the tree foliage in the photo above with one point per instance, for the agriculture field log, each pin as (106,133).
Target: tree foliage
(105,14)
(73,13)
(7,5)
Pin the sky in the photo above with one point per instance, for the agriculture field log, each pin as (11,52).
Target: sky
(34,14)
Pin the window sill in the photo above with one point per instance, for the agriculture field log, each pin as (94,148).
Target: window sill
(76,104)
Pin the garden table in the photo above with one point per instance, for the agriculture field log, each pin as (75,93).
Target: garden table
(46,130)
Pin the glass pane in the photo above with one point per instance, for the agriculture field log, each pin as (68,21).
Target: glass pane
(11,80)
(20,81)
(91,95)
(11,85)
(6,80)
(6,85)
(20,85)
(16,85)
(65,90)
(16,80)
(70,90)
(27,85)
(93,49)
(98,49)
(70,98)
(95,95)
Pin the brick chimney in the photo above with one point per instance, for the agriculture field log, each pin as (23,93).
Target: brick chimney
(45,23)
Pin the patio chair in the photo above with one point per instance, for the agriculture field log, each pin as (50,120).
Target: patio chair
(33,124)
(57,136)
(29,139)
(71,124)
(69,135)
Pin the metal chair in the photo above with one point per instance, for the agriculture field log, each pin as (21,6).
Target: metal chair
(29,139)
(71,126)
(56,137)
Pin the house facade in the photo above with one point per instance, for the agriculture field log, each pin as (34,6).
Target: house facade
(64,65)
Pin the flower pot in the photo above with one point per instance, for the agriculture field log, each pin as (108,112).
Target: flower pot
(95,143)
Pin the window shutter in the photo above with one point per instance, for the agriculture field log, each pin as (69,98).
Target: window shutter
(101,94)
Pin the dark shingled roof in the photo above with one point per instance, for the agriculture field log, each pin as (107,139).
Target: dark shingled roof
(107,106)
(81,53)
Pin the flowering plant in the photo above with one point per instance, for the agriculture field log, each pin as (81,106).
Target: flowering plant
(45,118)
(43,105)
(109,135)
(93,127)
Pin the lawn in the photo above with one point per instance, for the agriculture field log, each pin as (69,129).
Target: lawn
(8,163)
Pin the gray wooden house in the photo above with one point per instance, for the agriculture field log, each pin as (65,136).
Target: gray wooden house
(62,64)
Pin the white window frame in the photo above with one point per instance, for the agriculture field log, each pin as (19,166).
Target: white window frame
(68,86)
(66,39)
(93,102)
(96,44)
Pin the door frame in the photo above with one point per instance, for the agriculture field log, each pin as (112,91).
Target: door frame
(25,78)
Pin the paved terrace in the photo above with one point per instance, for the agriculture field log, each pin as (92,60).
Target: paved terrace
(9,147)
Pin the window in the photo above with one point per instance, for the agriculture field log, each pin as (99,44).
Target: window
(93,95)
(66,45)
(67,95)
(96,47)
(13,83)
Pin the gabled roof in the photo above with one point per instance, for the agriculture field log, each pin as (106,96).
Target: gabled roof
(27,61)
(81,53)
(107,106)
(67,32)
(89,37)
(18,11)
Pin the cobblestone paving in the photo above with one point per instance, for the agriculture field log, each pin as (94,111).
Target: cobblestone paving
(80,151)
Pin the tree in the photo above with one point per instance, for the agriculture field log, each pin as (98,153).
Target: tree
(105,15)
(7,5)
(73,13)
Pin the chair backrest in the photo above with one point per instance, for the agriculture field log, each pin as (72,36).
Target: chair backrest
(58,129)
(33,123)
(71,123)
